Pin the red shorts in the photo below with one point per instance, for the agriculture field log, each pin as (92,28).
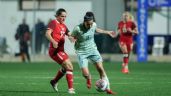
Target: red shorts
(59,56)
(127,43)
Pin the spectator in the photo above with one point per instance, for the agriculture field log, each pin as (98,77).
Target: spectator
(45,41)
(40,30)
(23,35)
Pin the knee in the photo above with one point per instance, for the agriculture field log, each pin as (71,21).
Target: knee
(125,55)
(69,67)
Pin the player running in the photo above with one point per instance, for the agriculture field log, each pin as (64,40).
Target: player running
(126,29)
(86,48)
(55,33)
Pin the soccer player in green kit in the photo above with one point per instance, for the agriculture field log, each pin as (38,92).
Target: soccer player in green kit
(86,49)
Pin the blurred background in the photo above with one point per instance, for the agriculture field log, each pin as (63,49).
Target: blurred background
(37,13)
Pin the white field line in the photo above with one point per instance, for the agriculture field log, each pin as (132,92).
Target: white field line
(134,83)
(50,77)
(75,77)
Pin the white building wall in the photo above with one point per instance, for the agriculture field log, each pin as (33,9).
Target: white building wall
(115,8)
(157,25)
(75,13)
(11,17)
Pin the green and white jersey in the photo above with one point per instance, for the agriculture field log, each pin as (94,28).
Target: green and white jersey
(85,38)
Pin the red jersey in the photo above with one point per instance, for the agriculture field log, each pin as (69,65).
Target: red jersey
(58,33)
(126,36)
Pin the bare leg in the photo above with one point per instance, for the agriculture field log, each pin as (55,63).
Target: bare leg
(87,76)
(124,50)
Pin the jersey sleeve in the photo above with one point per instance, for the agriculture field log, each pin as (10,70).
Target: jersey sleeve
(51,25)
(133,25)
(75,31)
(95,25)
(67,31)
(118,26)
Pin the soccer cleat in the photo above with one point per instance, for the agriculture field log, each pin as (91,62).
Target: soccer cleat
(71,91)
(108,91)
(125,70)
(54,85)
(88,83)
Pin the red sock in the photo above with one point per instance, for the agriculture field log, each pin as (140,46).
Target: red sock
(69,77)
(59,75)
(89,83)
(125,60)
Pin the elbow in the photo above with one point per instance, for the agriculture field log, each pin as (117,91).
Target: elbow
(46,34)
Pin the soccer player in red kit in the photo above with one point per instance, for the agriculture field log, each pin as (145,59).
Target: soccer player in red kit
(126,28)
(55,33)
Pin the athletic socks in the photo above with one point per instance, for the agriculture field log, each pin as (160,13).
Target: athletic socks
(106,78)
(88,83)
(69,77)
(59,75)
(125,60)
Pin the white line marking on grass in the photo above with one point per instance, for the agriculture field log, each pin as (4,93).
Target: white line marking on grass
(122,83)
(141,83)
(21,83)
(34,77)
(151,73)
(26,77)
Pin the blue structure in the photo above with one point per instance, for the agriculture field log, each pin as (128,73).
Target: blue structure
(142,54)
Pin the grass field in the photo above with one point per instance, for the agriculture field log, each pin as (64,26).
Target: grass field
(151,79)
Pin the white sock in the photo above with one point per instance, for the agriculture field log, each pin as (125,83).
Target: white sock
(106,78)
(126,66)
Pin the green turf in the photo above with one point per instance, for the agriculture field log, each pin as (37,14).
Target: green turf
(151,79)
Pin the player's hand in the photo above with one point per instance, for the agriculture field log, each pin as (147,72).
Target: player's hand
(55,44)
(130,30)
(112,34)
(124,30)
(72,39)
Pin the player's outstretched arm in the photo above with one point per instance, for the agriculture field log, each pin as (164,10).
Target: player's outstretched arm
(71,38)
(110,33)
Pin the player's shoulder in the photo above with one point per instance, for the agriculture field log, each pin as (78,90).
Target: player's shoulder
(53,21)
(120,22)
(94,24)
(77,27)
(131,22)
